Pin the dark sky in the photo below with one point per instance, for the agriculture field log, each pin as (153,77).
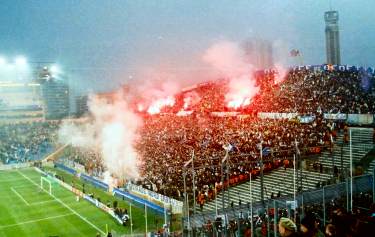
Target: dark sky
(106,41)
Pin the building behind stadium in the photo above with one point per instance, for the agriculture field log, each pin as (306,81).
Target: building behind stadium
(40,96)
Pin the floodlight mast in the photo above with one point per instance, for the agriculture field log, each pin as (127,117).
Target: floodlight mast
(186,201)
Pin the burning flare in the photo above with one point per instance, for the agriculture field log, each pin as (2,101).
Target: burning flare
(157,105)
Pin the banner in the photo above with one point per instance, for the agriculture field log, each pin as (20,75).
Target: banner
(265,115)
(184,113)
(360,119)
(152,199)
(327,67)
(156,198)
(103,207)
(225,114)
(79,167)
(306,118)
(134,198)
(337,116)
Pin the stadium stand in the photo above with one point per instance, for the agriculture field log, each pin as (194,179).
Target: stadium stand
(169,140)
(27,141)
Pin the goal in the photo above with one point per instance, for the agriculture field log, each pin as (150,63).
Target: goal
(46,184)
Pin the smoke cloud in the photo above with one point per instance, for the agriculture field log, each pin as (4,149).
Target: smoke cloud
(281,73)
(113,131)
(228,59)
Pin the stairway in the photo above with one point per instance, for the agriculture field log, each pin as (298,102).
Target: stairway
(361,145)
(275,181)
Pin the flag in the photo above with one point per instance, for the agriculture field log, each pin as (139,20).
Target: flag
(330,67)
(205,143)
(296,146)
(294,53)
(228,147)
(266,151)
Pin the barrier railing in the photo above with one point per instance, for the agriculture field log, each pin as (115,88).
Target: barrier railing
(355,119)
(118,192)
(134,199)
(65,168)
(95,182)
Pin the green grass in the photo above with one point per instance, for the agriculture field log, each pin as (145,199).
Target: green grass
(154,220)
(27,211)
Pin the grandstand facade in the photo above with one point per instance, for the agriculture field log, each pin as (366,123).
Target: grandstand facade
(20,101)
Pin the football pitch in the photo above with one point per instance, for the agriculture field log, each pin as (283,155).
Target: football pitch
(27,210)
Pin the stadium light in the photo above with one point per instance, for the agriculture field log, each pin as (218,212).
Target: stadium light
(55,69)
(2,61)
(20,61)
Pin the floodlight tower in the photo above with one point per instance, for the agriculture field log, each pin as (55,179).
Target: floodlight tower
(332,37)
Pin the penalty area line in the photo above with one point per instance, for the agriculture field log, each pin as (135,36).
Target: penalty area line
(36,220)
(42,202)
(10,180)
(20,196)
(64,204)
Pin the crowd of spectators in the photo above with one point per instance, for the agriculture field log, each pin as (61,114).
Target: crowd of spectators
(168,141)
(87,160)
(300,91)
(22,142)
(310,92)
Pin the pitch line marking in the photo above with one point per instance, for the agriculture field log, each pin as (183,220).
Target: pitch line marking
(20,196)
(36,220)
(41,202)
(9,180)
(62,203)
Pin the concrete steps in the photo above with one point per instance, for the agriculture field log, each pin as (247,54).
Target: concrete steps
(279,180)
(361,145)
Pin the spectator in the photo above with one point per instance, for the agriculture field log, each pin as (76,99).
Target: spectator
(330,230)
(310,226)
(287,228)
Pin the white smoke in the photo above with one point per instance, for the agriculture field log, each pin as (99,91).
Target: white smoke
(191,99)
(281,73)
(112,131)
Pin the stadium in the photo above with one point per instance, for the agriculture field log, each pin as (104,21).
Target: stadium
(251,148)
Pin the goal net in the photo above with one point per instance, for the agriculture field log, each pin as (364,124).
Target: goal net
(45,184)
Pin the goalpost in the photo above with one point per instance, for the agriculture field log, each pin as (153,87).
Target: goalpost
(44,180)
